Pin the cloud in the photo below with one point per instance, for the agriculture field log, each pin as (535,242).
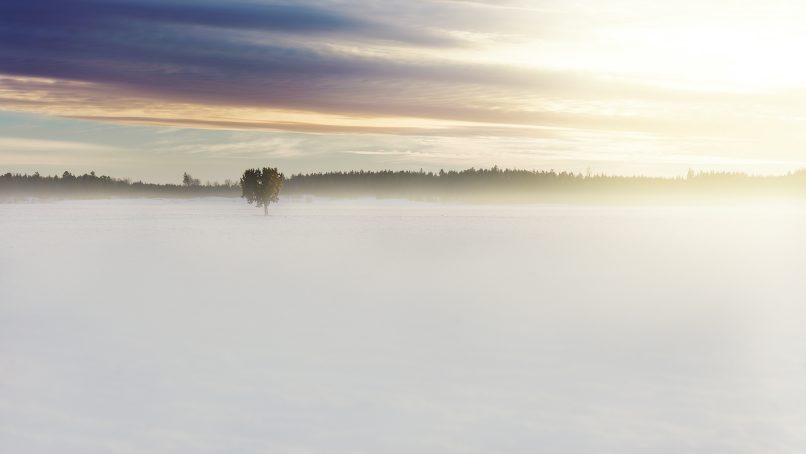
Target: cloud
(305,57)
(170,50)
(467,69)
(21,152)
(25,144)
(88,16)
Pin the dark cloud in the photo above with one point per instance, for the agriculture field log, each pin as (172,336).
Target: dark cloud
(81,16)
(238,53)
(184,45)
(273,55)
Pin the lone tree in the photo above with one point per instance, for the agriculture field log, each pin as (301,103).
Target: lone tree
(262,186)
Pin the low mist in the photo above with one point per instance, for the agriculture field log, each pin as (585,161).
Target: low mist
(367,326)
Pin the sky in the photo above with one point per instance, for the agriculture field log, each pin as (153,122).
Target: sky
(149,89)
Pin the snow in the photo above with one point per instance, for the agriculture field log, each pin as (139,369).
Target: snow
(364,326)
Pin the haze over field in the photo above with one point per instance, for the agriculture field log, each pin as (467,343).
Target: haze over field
(364,327)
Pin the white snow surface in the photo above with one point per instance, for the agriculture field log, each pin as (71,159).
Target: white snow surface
(363,326)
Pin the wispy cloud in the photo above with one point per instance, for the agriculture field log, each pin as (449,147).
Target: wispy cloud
(24,144)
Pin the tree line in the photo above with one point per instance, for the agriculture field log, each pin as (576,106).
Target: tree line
(476,184)
(91,185)
(541,185)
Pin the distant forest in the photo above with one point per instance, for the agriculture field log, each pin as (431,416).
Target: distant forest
(471,184)
(90,185)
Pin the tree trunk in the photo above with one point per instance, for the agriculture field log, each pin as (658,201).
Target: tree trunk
(265,209)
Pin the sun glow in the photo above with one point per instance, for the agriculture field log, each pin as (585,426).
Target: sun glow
(712,58)
(719,50)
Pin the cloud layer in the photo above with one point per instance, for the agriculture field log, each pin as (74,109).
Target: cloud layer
(234,53)
(668,75)
(317,58)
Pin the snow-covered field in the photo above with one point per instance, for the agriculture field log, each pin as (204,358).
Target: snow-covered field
(201,326)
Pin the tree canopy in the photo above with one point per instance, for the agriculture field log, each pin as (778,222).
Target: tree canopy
(262,186)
